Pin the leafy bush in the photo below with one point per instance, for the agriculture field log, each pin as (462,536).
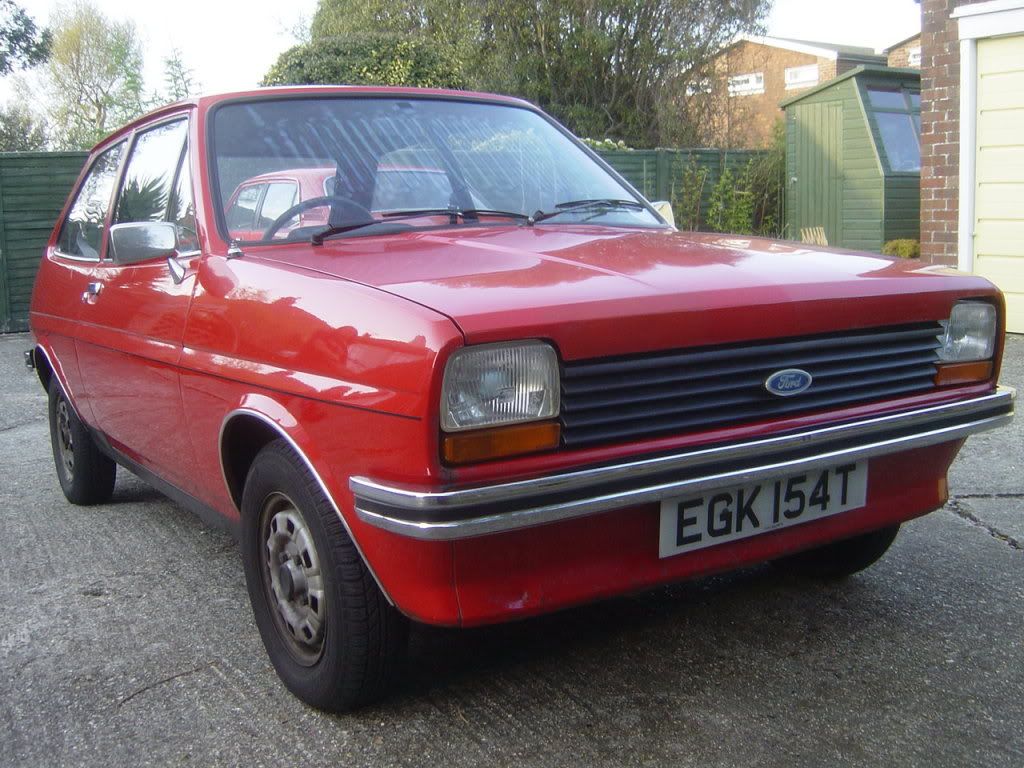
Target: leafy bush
(732,205)
(904,249)
(746,201)
(688,195)
(371,60)
(605,145)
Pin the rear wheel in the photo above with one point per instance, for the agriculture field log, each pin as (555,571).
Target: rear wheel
(841,558)
(86,475)
(329,631)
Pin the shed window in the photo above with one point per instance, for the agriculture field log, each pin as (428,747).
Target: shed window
(746,85)
(899,137)
(887,99)
(801,77)
(897,114)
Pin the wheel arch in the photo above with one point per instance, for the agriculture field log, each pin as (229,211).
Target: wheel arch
(47,373)
(244,432)
(43,366)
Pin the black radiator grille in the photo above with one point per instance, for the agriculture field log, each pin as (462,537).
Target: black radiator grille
(627,398)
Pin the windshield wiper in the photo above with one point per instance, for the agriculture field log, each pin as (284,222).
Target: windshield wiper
(580,205)
(464,213)
(387,218)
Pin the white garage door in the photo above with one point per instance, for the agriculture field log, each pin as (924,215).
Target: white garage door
(999,202)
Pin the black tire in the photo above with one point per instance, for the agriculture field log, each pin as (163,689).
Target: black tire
(86,475)
(336,654)
(841,558)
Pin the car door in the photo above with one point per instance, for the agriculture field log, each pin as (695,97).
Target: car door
(74,255)
(132,325)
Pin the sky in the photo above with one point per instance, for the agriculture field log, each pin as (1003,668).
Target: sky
(230,44)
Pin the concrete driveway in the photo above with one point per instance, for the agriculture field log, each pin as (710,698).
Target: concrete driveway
(126,639)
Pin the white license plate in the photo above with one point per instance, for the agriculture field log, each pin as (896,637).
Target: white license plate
(728,514)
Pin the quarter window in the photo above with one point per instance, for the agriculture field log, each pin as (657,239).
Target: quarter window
(182,208)
(242,212)
(82,233)
(279,198)
(149,178)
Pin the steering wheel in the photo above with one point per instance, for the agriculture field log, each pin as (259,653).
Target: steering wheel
(317,202)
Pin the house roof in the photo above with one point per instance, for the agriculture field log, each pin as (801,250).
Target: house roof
(894,73)
(899,43)
(810,47)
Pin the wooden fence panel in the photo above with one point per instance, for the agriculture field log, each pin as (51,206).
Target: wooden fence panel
(33,188)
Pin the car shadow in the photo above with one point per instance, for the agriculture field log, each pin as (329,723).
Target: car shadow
(793,616)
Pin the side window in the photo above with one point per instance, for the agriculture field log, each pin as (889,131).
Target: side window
(242,212)
(82,233)
(279,198)
(146,189)
(182,208)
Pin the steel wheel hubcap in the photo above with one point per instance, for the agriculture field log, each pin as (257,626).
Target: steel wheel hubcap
(65,443)
(292,578)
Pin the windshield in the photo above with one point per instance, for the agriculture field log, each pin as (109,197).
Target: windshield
(343,161)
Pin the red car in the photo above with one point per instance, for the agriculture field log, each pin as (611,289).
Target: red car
(507,388)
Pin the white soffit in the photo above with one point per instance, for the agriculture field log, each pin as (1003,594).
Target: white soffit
(789,45)
(992,19)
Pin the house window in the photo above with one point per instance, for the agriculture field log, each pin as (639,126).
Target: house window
(914,57)
(747,85)
(703,85)
(801,77)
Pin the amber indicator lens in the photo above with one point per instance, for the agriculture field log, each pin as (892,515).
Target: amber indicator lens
(484,444)
(963,373)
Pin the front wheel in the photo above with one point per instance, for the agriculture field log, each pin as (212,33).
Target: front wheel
(328,629)
(840,558)
(86,475)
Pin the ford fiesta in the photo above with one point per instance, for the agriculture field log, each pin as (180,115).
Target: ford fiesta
(432,359)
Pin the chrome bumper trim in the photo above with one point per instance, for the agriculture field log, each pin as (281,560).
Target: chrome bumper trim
(442,515)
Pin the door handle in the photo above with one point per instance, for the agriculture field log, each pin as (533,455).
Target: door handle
(92,290)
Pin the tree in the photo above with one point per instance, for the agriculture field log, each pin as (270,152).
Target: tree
(95,72)
(614,67)
(178,78)
(449,24)
(607,68)
(22,43)
(381,59)
(20,130)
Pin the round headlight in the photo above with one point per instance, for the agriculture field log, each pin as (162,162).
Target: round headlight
(495,384)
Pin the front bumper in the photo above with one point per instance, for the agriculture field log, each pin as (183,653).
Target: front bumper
(444,515)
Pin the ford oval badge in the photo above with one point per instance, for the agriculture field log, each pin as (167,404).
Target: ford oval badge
(788,382)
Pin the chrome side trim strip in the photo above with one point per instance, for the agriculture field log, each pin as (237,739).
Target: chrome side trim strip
(410,511)
(309,465)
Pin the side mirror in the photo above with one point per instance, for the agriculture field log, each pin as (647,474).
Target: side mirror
(143,241)
(664,209)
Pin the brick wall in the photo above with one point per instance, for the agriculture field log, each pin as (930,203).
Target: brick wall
(940,129)
(748,121)
(900,55)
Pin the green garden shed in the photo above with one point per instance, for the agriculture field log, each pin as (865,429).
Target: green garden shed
(853,158)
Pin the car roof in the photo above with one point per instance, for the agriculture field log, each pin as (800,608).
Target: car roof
(206,102)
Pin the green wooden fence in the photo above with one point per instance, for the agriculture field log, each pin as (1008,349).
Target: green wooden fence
(34,185)
(33,188)
(660,173)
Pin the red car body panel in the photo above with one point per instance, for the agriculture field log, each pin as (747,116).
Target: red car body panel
(342,347)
